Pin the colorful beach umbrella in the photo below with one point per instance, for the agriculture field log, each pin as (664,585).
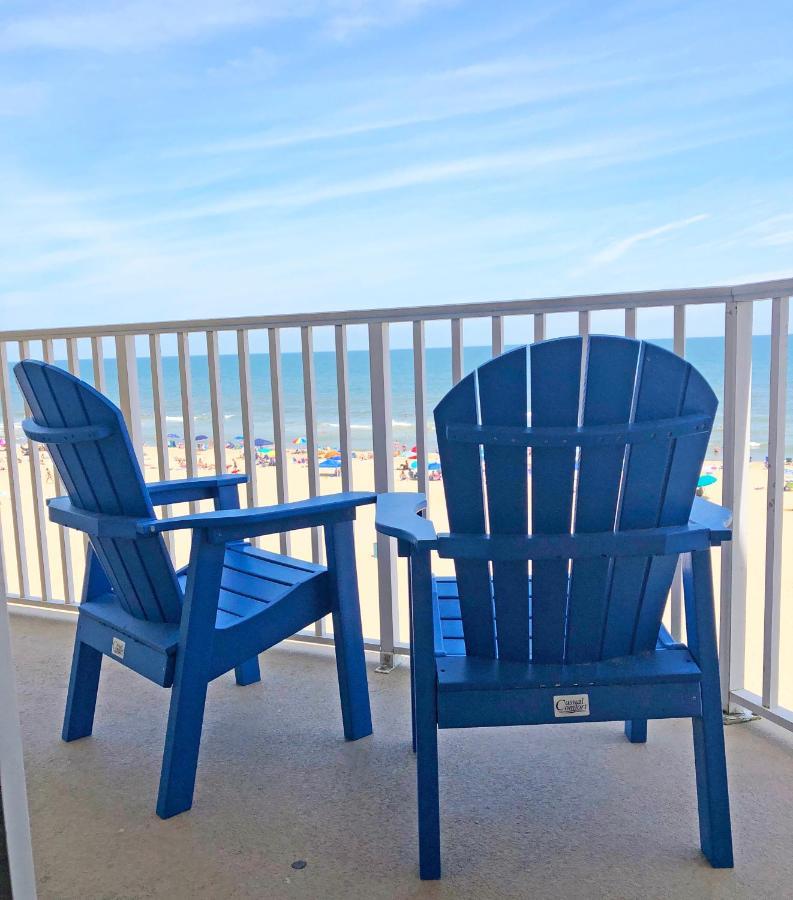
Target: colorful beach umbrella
(706,480)
(299,441)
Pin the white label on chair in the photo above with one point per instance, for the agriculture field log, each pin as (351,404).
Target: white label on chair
(571,705)
(117,648)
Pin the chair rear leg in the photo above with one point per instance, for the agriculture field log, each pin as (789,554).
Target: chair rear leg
(78,721)
(348,634)
(636,731)
(428,794)
(715,832)
(248,672)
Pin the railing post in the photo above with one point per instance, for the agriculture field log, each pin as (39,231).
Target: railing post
(497,332)
(128,392)
(279,432)
(737,398)
(420,398)
(679,346)
(343,397)
(775,499)
(380,379)
(630,322)
(457,350)
(539,327)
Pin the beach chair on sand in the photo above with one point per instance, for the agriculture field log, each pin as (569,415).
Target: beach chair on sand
(183,628)
(561,622)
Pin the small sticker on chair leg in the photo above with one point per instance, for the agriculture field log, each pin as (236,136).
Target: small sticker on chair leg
(118,647)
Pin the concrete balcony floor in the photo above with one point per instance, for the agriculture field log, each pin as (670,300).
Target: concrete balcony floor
(557,811)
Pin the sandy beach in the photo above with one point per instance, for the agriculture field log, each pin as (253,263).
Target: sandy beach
(363,479)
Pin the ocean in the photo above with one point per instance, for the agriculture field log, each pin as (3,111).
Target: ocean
(706,353)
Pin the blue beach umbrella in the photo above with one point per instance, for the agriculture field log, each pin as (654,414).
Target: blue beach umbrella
(332,463)
(202,437)
(434,467)
(261,442)
(706,480)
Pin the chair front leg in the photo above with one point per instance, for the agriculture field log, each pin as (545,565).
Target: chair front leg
(347,631)
(191,678)
(426,718)
(708,729)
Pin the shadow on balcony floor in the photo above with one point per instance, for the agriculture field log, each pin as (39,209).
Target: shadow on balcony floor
(556,811)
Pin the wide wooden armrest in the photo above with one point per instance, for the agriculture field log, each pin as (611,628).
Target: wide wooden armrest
(397,515)
(163,493)
(717,519)
(236,524)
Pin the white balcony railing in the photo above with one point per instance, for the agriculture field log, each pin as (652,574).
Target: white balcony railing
(43,564)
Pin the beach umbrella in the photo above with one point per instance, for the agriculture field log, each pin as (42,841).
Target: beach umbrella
(202,437)
(174,436)
(330,453)
(434,467)
(706,480)
(413,464)
(299,441)
(261,442)
(239,437)
(330,464)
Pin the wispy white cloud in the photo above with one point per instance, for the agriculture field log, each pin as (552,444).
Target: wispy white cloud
(619,248)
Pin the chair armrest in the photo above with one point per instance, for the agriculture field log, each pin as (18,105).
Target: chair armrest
(397,515)
(163,493)
(92,523)
(237,524)
(717,519)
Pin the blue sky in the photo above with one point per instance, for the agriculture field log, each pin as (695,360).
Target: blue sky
(187,159)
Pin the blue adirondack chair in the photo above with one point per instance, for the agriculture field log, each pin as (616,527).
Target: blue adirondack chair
(181,629)
(619,429)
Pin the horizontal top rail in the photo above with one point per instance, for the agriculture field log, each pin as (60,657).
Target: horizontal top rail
(761,290)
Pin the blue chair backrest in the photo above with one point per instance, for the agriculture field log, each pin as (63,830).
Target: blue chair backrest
(586,609)
(101,474)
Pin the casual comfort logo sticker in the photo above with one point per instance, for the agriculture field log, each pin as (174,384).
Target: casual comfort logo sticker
(571,705)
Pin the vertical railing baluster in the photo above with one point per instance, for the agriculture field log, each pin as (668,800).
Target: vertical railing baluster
(98,364)
(630,322)
(497,335)
(64,536)
(14,484)
(457,350)
(39,516)
(775,499)
(583,322)
(73,363)
(188,422)
(216,403)
(279,432)
(737,399)
(539,327)
(419,381)
(246,405)
(676,599)
(343,390)
(310,406)
(160,420)
(383,446)
(128,391)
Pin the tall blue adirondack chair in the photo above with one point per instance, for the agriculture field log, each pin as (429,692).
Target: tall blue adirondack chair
(561,623)
(181,629)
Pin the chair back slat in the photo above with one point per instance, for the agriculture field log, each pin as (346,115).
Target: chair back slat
(641,418)
(462,484)
(502,401)
(555,400)
(103,476)
(661,384)
(687,455)
(608,398)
